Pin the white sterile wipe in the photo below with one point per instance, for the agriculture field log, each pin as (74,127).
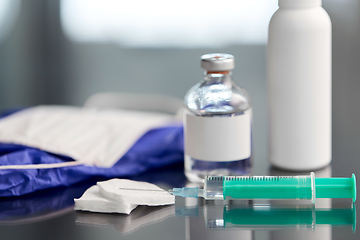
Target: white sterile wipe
(93,201)
(141,193)
(131,195)
(93,137)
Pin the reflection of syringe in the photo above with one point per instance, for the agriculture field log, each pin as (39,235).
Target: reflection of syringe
(259,216)
(279,217)
(270,187)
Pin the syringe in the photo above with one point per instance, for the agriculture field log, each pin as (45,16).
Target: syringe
(270,187)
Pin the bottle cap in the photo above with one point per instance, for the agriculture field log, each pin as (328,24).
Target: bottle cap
(299,3)
(217,62)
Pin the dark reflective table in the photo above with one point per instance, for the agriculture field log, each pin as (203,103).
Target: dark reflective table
(50,214)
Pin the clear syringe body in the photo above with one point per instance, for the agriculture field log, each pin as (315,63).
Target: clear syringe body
(260,187)
(271,187)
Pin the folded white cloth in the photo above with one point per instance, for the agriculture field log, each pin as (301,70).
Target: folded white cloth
(140,193)
(122,196)
(93,201)
(92,137)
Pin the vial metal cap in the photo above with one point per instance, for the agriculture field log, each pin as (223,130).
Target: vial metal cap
(217,62)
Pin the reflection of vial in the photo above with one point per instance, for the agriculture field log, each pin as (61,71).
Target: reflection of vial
(217,122)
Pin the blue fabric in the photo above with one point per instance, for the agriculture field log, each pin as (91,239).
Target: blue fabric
(157,148)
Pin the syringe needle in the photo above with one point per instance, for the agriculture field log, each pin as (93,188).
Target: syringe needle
(185,192)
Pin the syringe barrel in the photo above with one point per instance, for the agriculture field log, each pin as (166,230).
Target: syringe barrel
(213,188)
(260,187)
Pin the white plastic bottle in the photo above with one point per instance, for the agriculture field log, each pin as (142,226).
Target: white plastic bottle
(217,123)
(299,85)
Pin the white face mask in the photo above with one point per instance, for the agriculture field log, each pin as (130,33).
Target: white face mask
(89,136)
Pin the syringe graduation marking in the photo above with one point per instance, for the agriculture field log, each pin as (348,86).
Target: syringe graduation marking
(216,178)
(250,178)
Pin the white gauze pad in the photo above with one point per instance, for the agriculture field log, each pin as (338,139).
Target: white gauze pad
(140,193)
(93,201)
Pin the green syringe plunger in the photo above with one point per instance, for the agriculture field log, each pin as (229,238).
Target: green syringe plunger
(270,187)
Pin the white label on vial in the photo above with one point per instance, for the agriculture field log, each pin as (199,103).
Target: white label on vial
(218,138)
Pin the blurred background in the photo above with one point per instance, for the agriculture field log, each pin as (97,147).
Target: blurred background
(63,51)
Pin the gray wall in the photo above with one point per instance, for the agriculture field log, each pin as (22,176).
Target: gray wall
(39,65)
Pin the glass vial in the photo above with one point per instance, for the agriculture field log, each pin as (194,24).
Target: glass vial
(217,123)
